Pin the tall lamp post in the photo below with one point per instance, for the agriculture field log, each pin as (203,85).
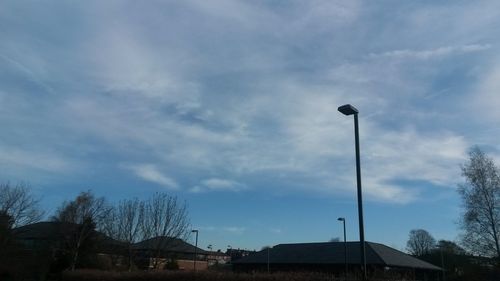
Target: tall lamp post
(195,249)
(345,247)
(348,109)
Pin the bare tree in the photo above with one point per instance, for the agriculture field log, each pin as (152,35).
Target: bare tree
(20,204)
(164,220)
(81,216)
(334,239)
(481,203)
(124,223)
(420,242)
(449,247)
(6,222)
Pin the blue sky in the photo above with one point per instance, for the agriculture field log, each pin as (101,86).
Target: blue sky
(232,107)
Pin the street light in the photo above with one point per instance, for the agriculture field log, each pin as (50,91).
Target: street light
(195,249)
(348,109)
(345,247)
(268,259)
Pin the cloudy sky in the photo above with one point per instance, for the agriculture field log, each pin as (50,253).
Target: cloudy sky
(232,107)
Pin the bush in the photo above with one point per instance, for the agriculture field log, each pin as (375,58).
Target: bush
(171,265)
(95,275)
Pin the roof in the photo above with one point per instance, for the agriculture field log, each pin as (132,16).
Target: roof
(217,253)
(44,230)
(169,244)
(333,253)
(57,231)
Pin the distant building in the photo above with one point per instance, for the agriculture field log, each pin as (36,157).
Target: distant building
(53,245)
(381,260)
(157,252)
(236,254)
(217,258)
(53,238)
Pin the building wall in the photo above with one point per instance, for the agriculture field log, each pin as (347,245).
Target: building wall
(182,263)
(189,265)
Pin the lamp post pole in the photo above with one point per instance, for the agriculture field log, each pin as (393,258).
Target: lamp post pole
(345,247)
(268,248)
(348,109)
(195,249)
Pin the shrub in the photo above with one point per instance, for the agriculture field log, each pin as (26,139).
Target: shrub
(95,275)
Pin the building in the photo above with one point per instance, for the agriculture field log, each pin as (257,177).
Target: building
(217,258)
(236,254)
(158,252)
(56,242)
(330,257)
(57,235)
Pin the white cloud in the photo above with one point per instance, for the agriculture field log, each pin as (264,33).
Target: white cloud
(150,172)
(432,53)
(12,157)
(234,229)
(248,93)
(217,184)
(275,230)
(485,99)
(227,229)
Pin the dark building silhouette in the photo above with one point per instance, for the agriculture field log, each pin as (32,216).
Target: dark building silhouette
(381,260)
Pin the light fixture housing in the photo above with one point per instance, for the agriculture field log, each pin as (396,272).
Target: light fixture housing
(348,109)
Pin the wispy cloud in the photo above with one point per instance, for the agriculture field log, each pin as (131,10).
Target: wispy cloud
(217,184)
(150,172)
(234,229)
(267,112)
(34,160)
(275,230)
(226,229)
(432,53)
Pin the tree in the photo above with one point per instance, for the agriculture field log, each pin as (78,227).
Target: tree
(6,223)
(420,242)
(480,194)
(334,239)
(80,218)
(124,222)
(449,247)
(164,219)
(19,203)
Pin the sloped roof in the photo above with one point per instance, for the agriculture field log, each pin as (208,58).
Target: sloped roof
(56,231)
(45,230)
(169,244)
(333,253)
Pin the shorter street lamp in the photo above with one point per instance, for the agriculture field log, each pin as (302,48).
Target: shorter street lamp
(195,249)
(345,247)
(230,252)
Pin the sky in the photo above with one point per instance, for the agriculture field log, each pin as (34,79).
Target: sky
(231,106)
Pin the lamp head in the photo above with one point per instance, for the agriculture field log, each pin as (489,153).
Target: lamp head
(348,109)
(341,219)
(194,230)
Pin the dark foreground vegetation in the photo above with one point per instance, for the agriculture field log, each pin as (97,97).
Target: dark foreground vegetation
(91,275)
(94,275)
